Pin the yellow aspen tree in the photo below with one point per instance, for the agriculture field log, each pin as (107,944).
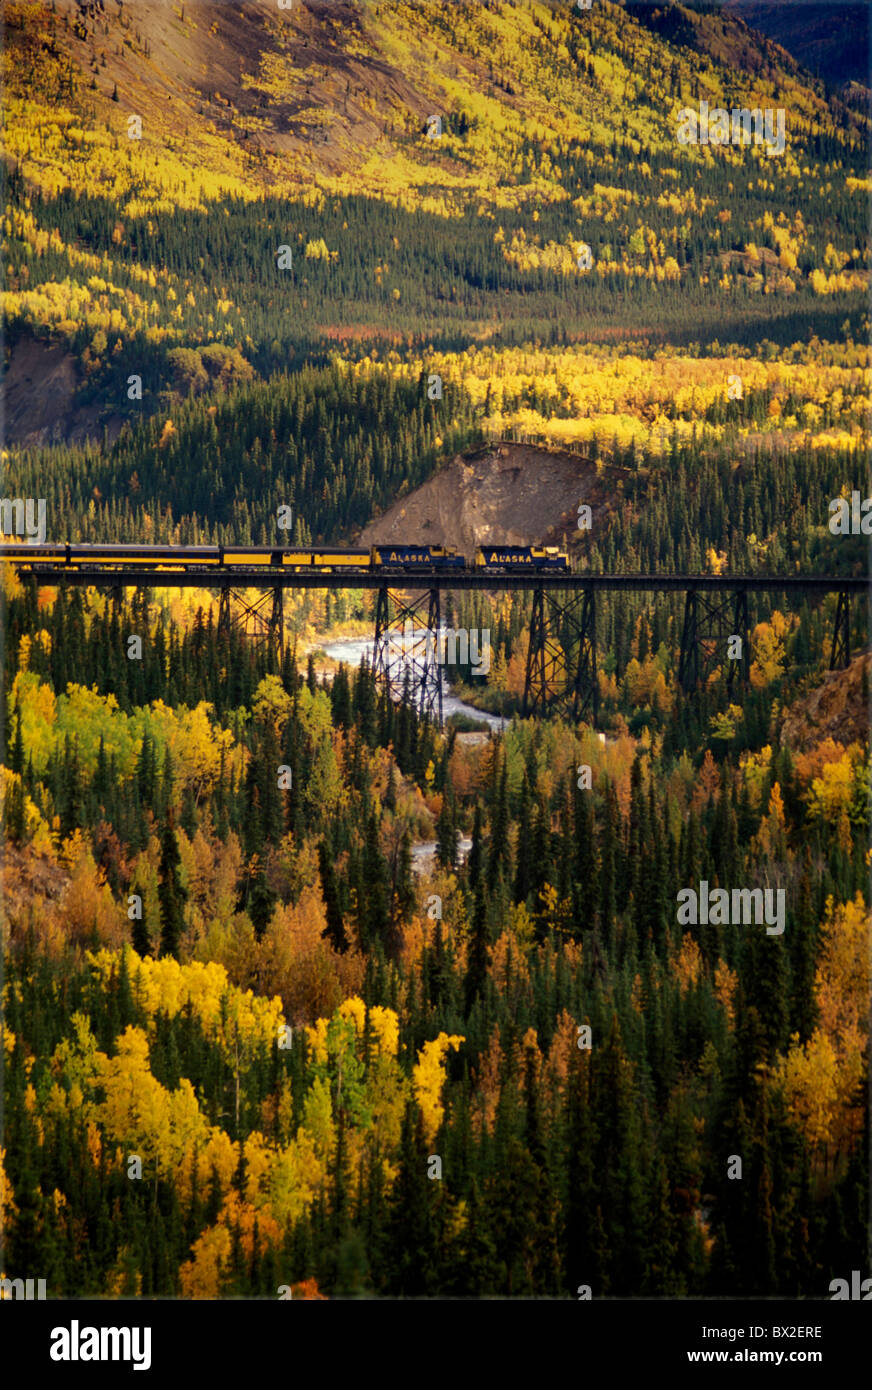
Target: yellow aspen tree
(428,1077)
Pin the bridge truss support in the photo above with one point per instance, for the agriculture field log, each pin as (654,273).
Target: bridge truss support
(711,620)
(406,656)
(561,675)
(840,654)
(263,620)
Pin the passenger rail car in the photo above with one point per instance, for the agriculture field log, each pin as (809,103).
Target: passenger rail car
(327,558)
(103,557)
(520,557)
(187,557)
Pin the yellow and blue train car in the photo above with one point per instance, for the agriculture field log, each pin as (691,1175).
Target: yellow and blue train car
(342,559)
(521,557)
(31,553)
(326,558)
(416,557)
(158,556)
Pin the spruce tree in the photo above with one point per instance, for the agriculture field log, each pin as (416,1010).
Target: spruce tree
(171,894)
(446,832)
(524,856)
(476,972)
(411,1254)
(334,930)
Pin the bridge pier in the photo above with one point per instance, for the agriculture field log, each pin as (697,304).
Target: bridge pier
(840,655)
(264,619)
(406,648)
(561,626)
(710,620)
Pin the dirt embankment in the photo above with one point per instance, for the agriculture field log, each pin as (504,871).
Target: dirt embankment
(512,494)
(39,391)
(837,709)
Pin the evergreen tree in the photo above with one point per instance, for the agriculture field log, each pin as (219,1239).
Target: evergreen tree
(171,894)
(334,930)
(411,1236)
(478,957)
(447,836)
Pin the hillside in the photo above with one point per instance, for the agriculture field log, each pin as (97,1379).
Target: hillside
(246,98)
(830,39)
(557,203)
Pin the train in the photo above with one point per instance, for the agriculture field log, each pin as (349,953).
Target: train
(524,557)
(386,558)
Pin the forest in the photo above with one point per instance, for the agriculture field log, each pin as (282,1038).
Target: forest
(238,981)
(301,991)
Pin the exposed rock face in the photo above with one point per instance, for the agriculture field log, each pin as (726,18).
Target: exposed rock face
(513,494)
(39,389)
(838,709)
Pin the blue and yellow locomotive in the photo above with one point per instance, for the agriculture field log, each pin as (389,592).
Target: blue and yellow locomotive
(416,557)
(520,557)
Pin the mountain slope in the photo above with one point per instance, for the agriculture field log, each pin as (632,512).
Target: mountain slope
(830,39)
(282,195)
(244,98)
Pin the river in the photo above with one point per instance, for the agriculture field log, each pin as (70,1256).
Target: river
(351,649)
(424,854)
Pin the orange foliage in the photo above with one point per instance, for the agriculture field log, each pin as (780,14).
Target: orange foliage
(465,769)
(822,1079)
(688,963)
(810,764)
(770,842)
(563,1047)
(247,1219)
(506,959)
(707,782)
(297,964)
(307,1290)
(726,981)
(487,1083)
(411,950)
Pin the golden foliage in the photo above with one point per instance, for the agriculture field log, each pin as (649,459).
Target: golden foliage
(232,1017)
(769,653)
(726,981)
(821,1079)
(688,964)
(202,1275)
(428,1076)
(7,1195)
(609,394)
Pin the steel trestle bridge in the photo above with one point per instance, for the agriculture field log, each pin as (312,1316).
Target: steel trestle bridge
(561,671)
